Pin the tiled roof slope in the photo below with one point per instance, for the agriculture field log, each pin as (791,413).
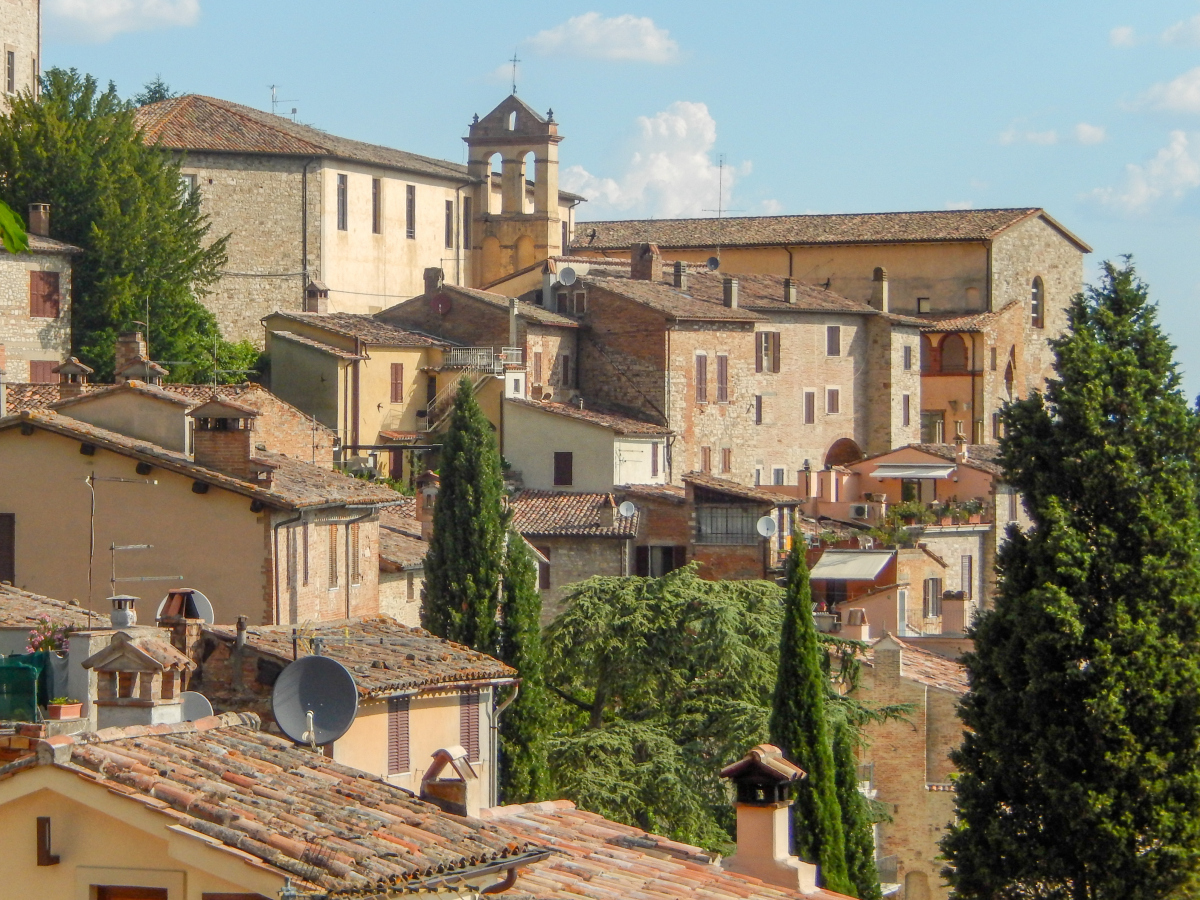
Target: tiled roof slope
(384,656)
(368,328)
(733,489)
(40,244)
(565,514)
(845,228)
(328,826)
(619,423)
(979,456)
(928,668)
(525,309)
(23,395)
(400,540)
(765,294)
(196,122)
(598,859)
(671,301)
(21,609)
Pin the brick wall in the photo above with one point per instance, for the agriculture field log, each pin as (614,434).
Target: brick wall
(314,598)
(622,355)
(285,429)
(24,337)
(470,322)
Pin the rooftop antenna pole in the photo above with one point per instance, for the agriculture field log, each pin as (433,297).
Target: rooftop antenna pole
(720,210)
(514,62)
(274,98)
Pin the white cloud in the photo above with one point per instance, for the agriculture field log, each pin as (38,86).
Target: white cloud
(1180,95)
(1173,171)
(1183,34)
(960,204)
(620,37)
(96,21)
(1013,135)
(771,207)
(1090,134)
(671,172)
(1122,36)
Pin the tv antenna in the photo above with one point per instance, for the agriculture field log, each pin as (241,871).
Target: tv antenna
(114,548)
(720,211)
(275,101)
(514,62)
(90,481)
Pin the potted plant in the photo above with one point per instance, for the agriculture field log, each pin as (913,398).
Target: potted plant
(48,635)
(64,708)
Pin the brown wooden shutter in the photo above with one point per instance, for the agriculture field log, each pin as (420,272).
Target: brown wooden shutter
(41,371)
(333,556)
(8,547)
(701,379)
(44,296)
(564,465)
(641,565)
(758,352)
(654,459)
(775,351)
(537,367)
(398,753)
(397,382)
(758,420)
(706,460)
(722,379)
(810,407)
(468,723)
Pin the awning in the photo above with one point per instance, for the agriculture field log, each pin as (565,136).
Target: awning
(851,565)
(913,470)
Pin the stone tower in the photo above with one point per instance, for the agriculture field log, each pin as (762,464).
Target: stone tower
(509,230)
(20,48)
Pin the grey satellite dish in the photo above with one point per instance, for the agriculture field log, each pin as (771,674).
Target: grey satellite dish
(766,527)
(194,605)
(627,509)
(315,700)
(195,706)
(567,275)
(713,263)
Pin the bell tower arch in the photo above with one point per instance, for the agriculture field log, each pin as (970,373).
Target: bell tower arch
(514,132)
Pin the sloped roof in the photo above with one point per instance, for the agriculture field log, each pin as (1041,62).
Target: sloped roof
(734,489)
(618,423)
(316,345)
(931,226)
(925,667)
(566,514)
(22,609)
(671,301)
(41,244)
(384,656)
(129,387)
(23,395)
(525,309)
(400,541)
(364,327)
(851,565)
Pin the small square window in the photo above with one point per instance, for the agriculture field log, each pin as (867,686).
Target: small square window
(924,305)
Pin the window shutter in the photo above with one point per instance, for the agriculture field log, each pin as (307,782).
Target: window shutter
(44,296)
(775,351)
(397,382)
(537,367)
(758,409)
(398,755)
(833,340)
(722,379)
(654,459)
(810,407)
(641,566)
(333,556)
(758,352)
(701,379)
(355,568)
(468,723)
(968,575)
(706,459)
(564,464)
(8,547)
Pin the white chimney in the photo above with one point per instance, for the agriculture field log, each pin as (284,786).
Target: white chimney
(730,286)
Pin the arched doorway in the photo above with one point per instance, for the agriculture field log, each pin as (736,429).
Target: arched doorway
(843,452)
(954,353)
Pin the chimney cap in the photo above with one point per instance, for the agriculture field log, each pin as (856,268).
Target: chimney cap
(764,763)
(215,408)
(72,366)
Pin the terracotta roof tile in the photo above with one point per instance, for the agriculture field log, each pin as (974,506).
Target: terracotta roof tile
(384,656)
(734,489)
(562,514)
(21,609)
(316,345)
(525,309)
(129,387)
(40,244)
(23,395)
(763,293)
(367,328)
(927,668)
(671,493)
(621,424)
(400,541)
(671,301)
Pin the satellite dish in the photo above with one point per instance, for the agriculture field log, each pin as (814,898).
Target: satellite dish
(195,706)
(627,509)
(315,700)
(567,276)
(186,602)
(713,263)
(766,526)
(441,303)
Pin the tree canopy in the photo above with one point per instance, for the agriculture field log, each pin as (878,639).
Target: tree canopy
(1081,767)
(154,91)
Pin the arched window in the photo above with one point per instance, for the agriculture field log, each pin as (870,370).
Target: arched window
(1037,304)
(529,174)
(495,168)
(926,354)
(843,452)
(954,353)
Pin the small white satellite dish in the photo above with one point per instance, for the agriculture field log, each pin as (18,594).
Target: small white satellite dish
(766,526)
(567,276)
(315,700)
(195,706)
(713,264)
(627,509)
(191,604)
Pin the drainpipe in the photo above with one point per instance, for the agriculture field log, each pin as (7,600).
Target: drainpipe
(791,260)
(275,553)
(354,402)
(493,788)
(349,568)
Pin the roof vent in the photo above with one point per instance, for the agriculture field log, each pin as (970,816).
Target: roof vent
(679,276)
(123,614)
(730,285)
(789,291)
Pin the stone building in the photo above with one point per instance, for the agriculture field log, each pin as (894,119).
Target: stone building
(312,213)
(21,40)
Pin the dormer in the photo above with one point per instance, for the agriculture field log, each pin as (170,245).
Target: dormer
(139,681)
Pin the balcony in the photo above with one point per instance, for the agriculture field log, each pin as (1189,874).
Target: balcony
(485,360)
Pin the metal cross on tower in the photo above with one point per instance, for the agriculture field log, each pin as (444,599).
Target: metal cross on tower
(514,62)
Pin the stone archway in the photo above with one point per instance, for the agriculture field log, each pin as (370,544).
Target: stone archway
(843,452)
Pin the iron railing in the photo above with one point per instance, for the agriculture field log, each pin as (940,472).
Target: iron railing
(483,359)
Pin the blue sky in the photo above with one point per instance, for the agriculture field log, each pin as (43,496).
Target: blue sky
(1091,110)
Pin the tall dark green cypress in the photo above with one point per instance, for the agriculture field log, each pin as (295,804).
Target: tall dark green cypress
(1081,767)
(800,728)
(856,815)
(465,561)
(524,770)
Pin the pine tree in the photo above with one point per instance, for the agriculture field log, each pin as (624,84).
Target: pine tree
(144,238)
(1081,769)
(154,91)
(799,727)
(856,815)
(524,772)
(465,561)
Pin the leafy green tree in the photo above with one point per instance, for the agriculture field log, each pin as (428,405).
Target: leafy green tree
(857,819)
(1081,766)
(154,91)
(524,769)
(800,728)
(12,231)
(465,562)
(146,244)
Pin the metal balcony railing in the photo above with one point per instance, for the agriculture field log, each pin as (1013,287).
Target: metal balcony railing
(483,359)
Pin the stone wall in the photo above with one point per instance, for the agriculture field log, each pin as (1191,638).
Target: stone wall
(400,595)
(19,33)
(623,356)
(305,591)
(24,337)
(575,559)
(887,382)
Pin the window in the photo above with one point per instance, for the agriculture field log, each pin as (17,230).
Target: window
(908,355)
(449,224)
(580,303)
(342,201)
(562,303)
(706,459)
(833,340)
(544,569)
(996,426)
(398,754)
(10,71)
(8,547)
(758,409)
(355,568)
(397,382)
(810,407)
(726,460)
(722,378)
(187,185)
(466,223)
(45,299)
(833,401)
(968,575)
(720,524)
(777,476)
(565,237)
(468,723)
(537,366)
(1037,304)
(757,477)
(566,370)
(655,562)
(410,210)
(332,579)
(933,426)
(933,597)
(701,379)
(41,371)
(766,351)
(924,305)
(1013,504)
(291,557)
(376,206)
(564,465)
(992,365)
(905,410)
(654,459)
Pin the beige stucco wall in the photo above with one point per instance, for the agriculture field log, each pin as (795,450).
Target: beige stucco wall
(531,438)
(160,422)
(400,595)
(24,337)
(20,32)
(104,838)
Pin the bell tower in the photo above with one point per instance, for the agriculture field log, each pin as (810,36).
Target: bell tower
(512,226)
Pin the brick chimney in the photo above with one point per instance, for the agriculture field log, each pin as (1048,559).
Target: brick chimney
(428,486)
(608,511)
(72,377)
(730,287)
(960,445)
(679,276)
(224,440)
(434,277)
(879,289)
(462,794)
(762,781)
(645,263)
(139,680)
(316,297)
(789,291)
(131,345)
(39,219)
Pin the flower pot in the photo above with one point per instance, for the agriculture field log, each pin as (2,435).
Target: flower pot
(975,518)
(64,710)
(947,520)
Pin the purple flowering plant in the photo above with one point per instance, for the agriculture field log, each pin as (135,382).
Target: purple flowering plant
(48,635)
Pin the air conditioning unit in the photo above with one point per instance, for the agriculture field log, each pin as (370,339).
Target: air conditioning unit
(859,511)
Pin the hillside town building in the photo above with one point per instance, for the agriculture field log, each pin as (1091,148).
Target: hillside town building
(21,40)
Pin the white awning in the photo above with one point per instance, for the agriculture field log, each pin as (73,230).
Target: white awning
(913,470)
(851,565)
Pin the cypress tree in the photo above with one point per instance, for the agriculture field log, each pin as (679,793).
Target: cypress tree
(856,815)
(799,727)
(1081,767)
(465,561)
(524,773)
